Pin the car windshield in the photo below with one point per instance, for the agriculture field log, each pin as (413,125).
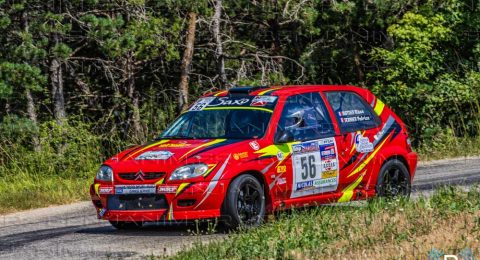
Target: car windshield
(229,118)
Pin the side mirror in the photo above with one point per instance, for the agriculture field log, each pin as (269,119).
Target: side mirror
(286,137)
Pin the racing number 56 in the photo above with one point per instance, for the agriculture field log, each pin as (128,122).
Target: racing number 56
(308,166)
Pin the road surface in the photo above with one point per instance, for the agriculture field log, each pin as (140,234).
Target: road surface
(73,231)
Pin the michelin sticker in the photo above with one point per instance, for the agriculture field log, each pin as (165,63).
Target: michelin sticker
(155,155)
(363,144)
(315,167)
(201,103)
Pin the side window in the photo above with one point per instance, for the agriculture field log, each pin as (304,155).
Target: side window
(352,112)
(304,117)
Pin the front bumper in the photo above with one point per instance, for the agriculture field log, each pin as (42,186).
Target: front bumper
(164,202)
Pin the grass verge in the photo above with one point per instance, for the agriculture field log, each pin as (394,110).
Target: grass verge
(448,221)
(25,191)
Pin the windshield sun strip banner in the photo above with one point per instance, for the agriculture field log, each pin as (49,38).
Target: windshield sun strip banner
(264,103)
(244,108)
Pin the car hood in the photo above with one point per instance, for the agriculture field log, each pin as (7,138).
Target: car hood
(166,155)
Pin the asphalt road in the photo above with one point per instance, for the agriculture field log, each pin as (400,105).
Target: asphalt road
(73,231)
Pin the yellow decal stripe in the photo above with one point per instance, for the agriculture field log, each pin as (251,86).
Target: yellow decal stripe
(348,191)
(159,182)
(146,147)
(216,141)
(170,213)
(212,166)
(379,106)
(265,91)
(241,108)
(369,158)
(220,93)
(96,187)
(181,187)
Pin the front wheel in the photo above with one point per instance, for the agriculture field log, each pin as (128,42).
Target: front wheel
(126,225)
(244,204)
(393,180)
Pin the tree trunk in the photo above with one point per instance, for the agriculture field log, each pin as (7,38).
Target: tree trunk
(32,115)
(135,99)
(186,62)
(218,42)
(31,111)
(56,79)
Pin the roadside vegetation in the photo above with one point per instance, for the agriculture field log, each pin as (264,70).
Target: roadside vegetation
(448,221)
(83,80)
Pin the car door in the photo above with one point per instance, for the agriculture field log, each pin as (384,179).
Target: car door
(358,125)
(311,164)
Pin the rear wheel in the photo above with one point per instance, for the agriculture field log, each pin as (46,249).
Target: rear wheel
(244,204)
(123,225)
(393,180)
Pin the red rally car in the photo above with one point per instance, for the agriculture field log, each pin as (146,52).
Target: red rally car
(250,151)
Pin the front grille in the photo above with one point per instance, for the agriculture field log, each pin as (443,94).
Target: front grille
(137,202)
(130,176)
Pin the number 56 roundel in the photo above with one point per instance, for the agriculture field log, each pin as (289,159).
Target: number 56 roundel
(315,167)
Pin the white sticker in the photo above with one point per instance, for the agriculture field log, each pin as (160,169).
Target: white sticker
(315,167)
(255,146)
(166,189)
(155,155)
(135,189)
(260,101)
(201,103)
(363,144)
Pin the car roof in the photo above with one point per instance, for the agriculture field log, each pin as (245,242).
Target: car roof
(287,90)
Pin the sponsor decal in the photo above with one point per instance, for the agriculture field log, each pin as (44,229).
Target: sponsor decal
(280,156)
(242,155)
(105,190)
(135,189)
(281,169)
(260,101)
(329,174)
(155,155)
(102,212)
(306,147)
(166,189)
(363,144)
(227,101)
(281,181)
(255,146)
(173,145)
(201,103)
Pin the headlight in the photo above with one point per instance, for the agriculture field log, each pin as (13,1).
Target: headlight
(189,171)
(105,173)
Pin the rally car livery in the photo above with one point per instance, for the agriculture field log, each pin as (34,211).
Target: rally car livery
(241,154)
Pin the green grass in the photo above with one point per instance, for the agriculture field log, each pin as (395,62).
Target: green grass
(379,229)
(25,191)
(449,147)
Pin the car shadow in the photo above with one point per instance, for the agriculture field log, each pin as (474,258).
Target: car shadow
(156,229)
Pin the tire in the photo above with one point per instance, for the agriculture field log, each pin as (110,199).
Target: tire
(244,204)
(394,180)
(126,225)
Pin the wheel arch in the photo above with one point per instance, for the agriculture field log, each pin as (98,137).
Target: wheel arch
(372,181)
(260,178)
